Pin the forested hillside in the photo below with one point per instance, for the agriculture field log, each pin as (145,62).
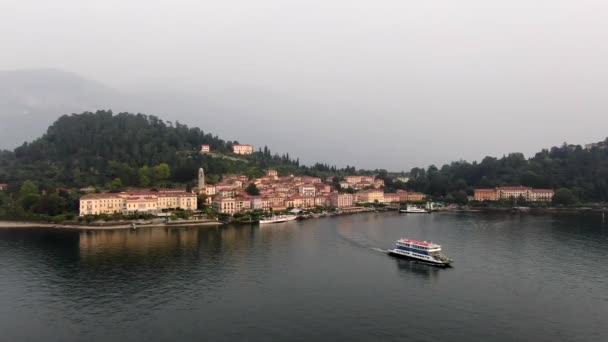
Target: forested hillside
(95,148)
(106,150)
(128,150)
(583,171)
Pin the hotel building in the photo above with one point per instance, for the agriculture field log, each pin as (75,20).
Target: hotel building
(137,201)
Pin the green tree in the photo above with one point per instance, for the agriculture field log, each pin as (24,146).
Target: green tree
(252,190)
(521,201)
(27,188)
(144,176)
(116,185)
(564,196)
(161,172)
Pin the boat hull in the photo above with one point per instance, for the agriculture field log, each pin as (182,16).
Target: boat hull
(414,211)
(411,256)
(278,220)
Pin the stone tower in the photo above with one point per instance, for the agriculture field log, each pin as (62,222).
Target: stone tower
(201,179)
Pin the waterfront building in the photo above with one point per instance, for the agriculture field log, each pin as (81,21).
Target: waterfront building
(224,205)
(370,196)
(541,195)
(205,149)
(486,195)
(141,204)
(342,200)
(104,203)
(402,195)
(514,192)
(322,201)
(391,197)
(242,203)
(3,187)
(242,149)
(415,196)
(137,200)
(308,201)
(506,192)
(257,203)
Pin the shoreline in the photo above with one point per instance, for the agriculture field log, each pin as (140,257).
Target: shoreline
(28,224)
(4,224)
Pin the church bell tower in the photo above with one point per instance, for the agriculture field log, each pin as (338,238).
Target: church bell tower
(201,179)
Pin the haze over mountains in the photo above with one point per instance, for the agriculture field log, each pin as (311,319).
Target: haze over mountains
(32,99)
(340,134)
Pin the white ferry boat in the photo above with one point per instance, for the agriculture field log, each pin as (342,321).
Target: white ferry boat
(427,252)
(278,219)
(410,209)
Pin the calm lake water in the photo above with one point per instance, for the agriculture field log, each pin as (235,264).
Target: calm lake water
(515,278)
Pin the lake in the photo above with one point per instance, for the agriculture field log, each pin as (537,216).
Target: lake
(515,277)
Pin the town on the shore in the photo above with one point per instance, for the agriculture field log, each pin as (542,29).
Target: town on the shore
(237,193)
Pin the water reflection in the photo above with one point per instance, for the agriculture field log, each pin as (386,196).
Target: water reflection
(418,269)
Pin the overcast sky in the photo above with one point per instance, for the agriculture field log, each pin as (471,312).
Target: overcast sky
(387,84)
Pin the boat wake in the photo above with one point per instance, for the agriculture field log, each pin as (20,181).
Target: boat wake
(379,250)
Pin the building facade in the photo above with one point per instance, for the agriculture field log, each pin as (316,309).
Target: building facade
(415,196)
(342,200)
(514,192)
(370,196)
(137,201)
(485,195)
(242,149)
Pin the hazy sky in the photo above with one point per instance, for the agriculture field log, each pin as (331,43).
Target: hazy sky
(388,84)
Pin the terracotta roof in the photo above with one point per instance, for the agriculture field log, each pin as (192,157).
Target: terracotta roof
(513,188)
(100,196)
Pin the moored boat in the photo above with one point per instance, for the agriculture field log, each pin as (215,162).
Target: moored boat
(278,219)
(423,251)
(411,209)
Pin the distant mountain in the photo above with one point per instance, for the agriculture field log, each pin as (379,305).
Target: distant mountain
(30,100)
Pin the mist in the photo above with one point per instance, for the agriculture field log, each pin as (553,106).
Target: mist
(375,84)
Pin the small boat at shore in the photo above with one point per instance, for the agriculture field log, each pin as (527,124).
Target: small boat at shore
(426,252)
(278,219)
(410,209)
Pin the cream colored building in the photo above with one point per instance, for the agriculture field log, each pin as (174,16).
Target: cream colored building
(342,200)
(415,196)
(205,149)
(242,149)
(391,197)
(307,190)
(506,192)
(144,201)
(224,205)
(541,195)
(107,203)
(370,196)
